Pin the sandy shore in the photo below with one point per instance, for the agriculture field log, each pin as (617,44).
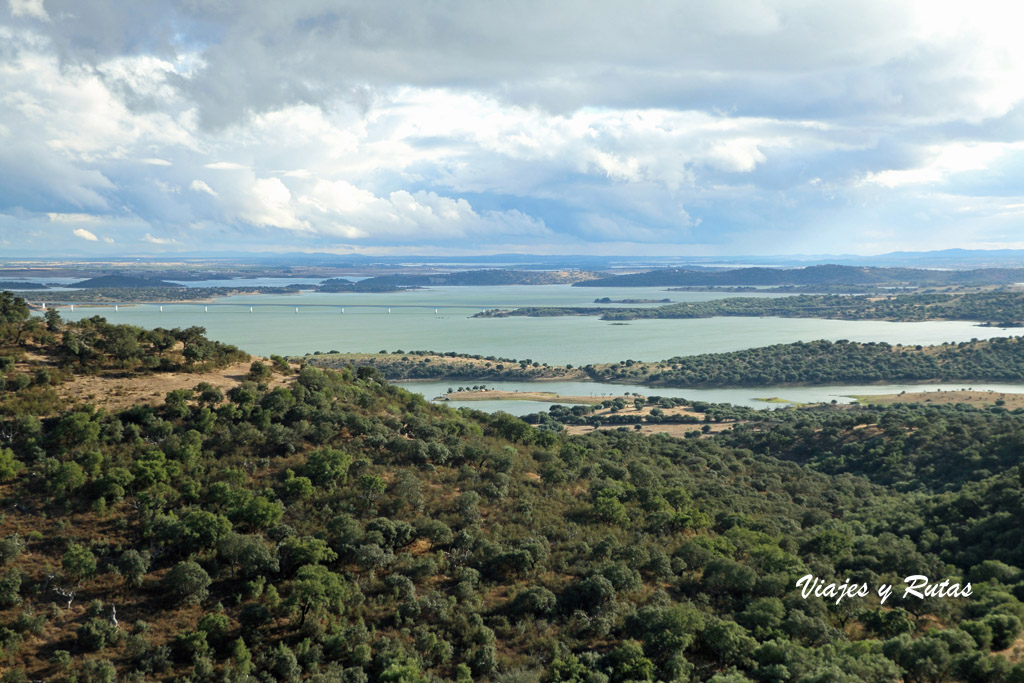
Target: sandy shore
(543,396)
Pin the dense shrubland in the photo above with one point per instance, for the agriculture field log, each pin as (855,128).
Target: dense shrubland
(999,308)
(342,529)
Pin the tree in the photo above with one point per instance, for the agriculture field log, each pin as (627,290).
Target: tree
(13,309)
(372,487)
(925,660)
(1005,629)
(10,467)
(66,479)
(298,551)
(252,555)
(628,663)
(402,669)
(187,583)
(666,631)
(565,667)
(258,372)
(328,467)
(79,563)
(730,642)
(200,530)
(133,566)
(316,587)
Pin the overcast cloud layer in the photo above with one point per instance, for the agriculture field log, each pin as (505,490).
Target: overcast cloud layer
(726,127)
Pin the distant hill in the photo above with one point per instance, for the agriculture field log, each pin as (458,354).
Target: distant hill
(810,276)
(124,281)
(482,278)
(10,284)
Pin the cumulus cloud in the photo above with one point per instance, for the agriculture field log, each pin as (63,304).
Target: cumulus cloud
(84,234)
(735,125)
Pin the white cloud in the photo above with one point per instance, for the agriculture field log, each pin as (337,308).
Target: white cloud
(270,205)
(451,124)
(942,161)
(226,166)
(739,155)
(200,186)
(84,234)
(158,240)
(29,8)
(72,218)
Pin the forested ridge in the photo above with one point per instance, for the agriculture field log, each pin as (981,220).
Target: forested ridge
(341,529)
(1000,359)
(125,295)
(481,278)
(999,308)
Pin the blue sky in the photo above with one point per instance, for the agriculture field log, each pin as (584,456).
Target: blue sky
(583,126)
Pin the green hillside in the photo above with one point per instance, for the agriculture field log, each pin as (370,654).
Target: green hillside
(309,524)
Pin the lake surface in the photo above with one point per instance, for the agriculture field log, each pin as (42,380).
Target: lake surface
(366,325)
(742,396)
(439,319)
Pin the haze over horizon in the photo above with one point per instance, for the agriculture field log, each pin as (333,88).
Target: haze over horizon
(713,129)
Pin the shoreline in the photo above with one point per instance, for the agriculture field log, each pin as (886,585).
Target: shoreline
(538,396)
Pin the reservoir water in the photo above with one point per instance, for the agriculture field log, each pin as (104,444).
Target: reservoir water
(751,397)
(407,321)
(307,322)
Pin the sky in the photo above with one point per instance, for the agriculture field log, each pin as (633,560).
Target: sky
(676,127)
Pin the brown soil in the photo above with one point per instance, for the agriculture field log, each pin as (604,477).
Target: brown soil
(938,397)
(119,393)
(671,429)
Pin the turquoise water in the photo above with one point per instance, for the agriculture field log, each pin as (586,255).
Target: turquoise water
(439,319)
(742,396)
(412,324)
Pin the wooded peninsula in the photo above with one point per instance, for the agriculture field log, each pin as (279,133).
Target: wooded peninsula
(818,362)
(993,308)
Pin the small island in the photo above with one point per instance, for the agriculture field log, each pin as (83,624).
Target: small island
(606,300)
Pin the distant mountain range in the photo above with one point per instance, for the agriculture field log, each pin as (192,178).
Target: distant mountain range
(122,281)
(831,274)
(944,258)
